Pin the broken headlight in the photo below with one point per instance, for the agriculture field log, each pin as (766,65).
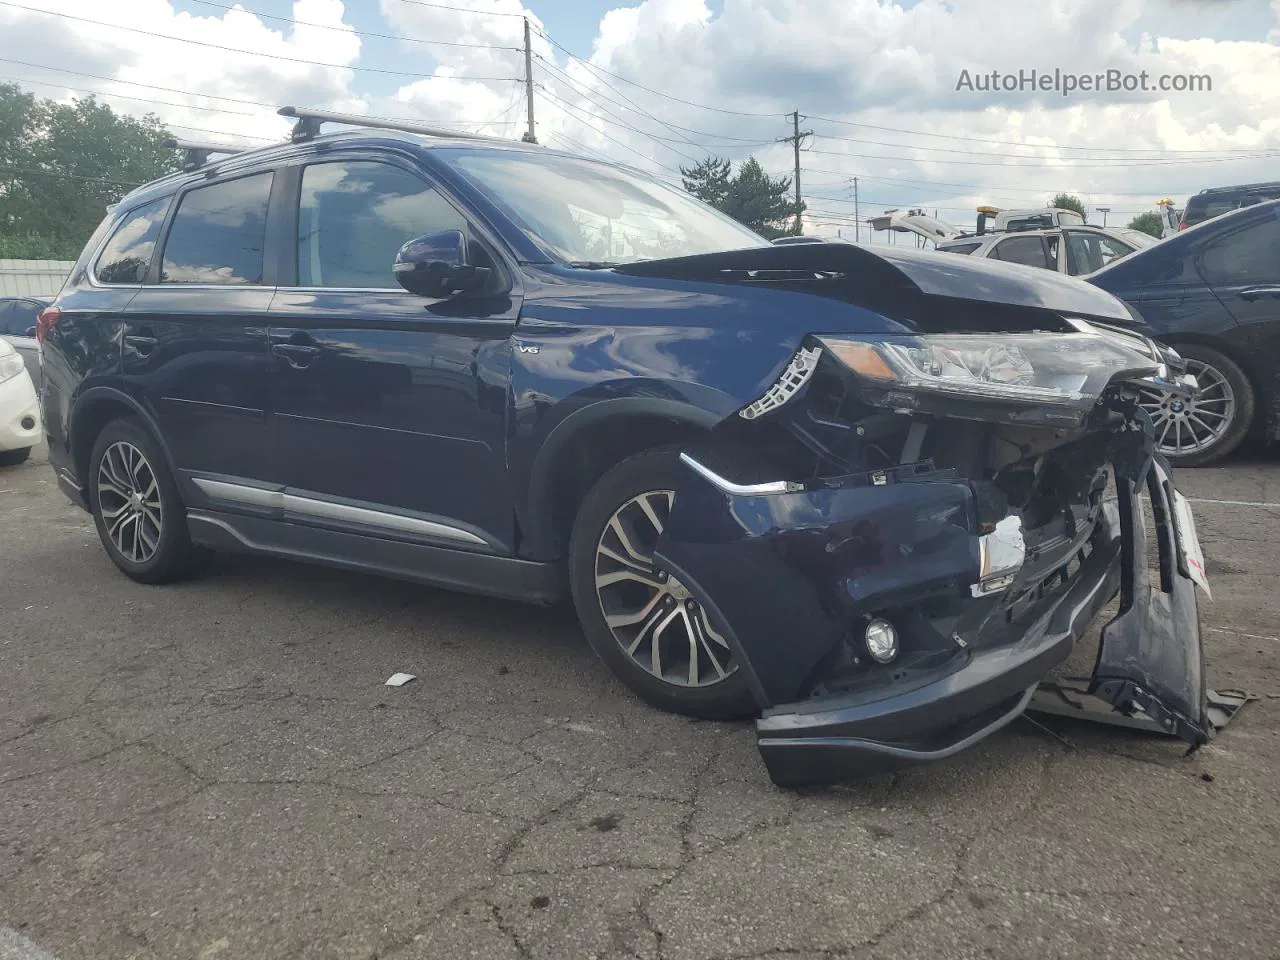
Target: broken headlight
(1020,377)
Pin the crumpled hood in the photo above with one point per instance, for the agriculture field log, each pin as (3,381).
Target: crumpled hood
(881,271)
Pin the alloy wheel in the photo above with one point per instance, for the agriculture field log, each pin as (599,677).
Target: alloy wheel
(129,501)
(650,613)
(1188,426)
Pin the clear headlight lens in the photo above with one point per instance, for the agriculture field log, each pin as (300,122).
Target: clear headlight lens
(1058,369)
(11,363)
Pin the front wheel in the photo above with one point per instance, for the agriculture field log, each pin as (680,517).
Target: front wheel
(1205,428)
(655,637)
(12,458)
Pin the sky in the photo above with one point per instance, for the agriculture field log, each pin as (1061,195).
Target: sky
(660,84)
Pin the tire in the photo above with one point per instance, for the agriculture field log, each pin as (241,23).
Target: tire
(1203,430)
(154,544)
(634,491)
(11,458)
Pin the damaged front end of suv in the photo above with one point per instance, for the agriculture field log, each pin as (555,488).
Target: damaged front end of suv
(907,532)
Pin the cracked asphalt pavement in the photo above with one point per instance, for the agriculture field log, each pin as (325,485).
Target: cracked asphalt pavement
(215,769)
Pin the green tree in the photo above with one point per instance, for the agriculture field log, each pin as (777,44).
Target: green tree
(750,196)
(1065,201)
(708,180)
(61,165)
(1148,222)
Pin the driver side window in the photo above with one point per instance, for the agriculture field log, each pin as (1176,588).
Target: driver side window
(353,217)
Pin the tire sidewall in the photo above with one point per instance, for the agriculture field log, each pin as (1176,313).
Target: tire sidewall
(1245,403)
(653,470)
(175,550)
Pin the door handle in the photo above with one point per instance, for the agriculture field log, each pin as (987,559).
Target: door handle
(297,355)
(1256,293)
(142,342)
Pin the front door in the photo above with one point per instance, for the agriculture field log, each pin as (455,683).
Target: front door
(194,345)
(389,408)
(1242,266)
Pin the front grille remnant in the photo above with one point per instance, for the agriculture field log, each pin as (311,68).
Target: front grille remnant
(797,374)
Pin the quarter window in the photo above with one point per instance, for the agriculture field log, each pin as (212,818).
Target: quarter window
(127,255)
(218,233)
(354,216)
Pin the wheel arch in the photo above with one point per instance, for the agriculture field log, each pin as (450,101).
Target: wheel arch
(93,410)
(1264,392)
(585,445)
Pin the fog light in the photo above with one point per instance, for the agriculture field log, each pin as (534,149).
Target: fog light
(882,641)
(28,423)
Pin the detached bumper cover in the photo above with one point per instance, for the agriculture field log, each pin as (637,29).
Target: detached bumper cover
(788,573)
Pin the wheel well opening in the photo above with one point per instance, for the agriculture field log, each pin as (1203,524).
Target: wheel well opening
(597,449)
(90,422)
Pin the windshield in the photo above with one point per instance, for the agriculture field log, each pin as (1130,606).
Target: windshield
(593,214)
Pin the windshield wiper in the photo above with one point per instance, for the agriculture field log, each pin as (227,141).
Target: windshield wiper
(593,264)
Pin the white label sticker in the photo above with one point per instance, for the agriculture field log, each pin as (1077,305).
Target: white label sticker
(1190,540)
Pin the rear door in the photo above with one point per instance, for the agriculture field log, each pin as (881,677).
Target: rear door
(389,408)
(195,338)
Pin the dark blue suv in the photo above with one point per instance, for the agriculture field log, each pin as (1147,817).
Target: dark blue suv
(863,494)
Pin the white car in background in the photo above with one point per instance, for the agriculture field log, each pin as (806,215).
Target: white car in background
(18,326)
(19,411)
(1073,250)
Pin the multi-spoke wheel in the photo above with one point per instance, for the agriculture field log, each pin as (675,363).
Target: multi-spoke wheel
(1208,426)
(651,614)
(129,501)
(641,620)
(136,507)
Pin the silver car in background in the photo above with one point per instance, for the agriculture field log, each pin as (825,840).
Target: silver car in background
(18,327)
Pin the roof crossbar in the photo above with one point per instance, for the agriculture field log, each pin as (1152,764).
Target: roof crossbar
(196,154)
(308,125)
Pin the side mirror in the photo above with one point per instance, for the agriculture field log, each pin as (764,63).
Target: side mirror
(436,266)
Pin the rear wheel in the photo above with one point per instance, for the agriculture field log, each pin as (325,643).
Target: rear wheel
(638,618)
(1208,426)
(136,507)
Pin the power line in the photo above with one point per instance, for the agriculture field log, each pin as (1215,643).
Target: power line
(190,93)
(120,96)
(1068,164)
(359,33)
(445,6)
(250,53)
(583,115)
(612,118)
(1012,143)
(987,153)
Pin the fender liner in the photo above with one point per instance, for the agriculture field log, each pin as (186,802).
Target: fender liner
(540,533)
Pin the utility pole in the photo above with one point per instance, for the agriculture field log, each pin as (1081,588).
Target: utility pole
(528,84)
(857,229)
(795,139)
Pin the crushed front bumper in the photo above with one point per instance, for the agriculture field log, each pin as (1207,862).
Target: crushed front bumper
(791,573)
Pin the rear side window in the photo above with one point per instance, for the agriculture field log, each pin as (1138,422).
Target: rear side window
(218,233)
(127,255)
(353,218)
(1248,254)
(1027,250)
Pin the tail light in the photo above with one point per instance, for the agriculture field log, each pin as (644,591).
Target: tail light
(1182,226)
(45,321)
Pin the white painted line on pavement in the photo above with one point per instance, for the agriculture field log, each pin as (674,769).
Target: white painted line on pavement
(1237,633)
(1233,503)
(14,946)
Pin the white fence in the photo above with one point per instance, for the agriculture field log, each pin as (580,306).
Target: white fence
(33,278)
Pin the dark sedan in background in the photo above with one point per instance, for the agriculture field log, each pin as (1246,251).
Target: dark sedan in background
(1212,292)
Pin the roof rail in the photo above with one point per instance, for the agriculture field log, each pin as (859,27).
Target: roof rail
(197,154)
(309,121)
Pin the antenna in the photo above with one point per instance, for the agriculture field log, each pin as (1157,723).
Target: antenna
(196,153)
(309,121)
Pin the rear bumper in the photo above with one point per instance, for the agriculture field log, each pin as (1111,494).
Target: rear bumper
(19,414)
(843,738)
